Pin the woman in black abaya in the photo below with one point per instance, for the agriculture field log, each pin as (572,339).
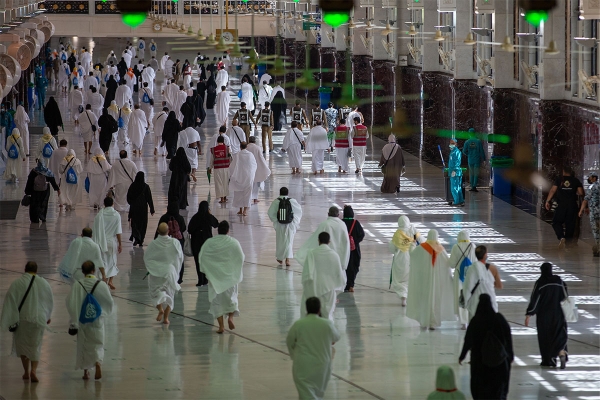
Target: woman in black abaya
(358,234)
(180,169)
(108,125)
(38,206)
(188,109)
(139,198)
(52,117)
(199,106)
(111,89)
(548,292)
(200,229)
(171,133)
(279,107)
(488,382)
(201,88)
(211,88)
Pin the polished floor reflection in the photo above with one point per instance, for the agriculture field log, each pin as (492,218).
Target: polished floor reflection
(382,354)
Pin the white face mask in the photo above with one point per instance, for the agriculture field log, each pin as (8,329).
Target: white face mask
(452,146)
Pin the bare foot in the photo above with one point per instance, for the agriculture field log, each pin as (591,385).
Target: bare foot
(280,262)
(220,331)
(287,263)
(351,290)
(86,375)
(221,202)
(194,178)
(34,378)
(315,172)
(166,322)
(111,286)
(244,214)
(98,374)
(239,213)
(230,323)
(26,376)
(160,316)
(322,171)
(256,201)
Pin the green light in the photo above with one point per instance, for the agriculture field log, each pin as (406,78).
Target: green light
(535,17)
(296,1)
(335,18)
(133,19)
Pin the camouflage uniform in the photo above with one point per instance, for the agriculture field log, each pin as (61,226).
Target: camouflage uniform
(593,199)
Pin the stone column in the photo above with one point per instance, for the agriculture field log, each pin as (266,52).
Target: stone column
(504,61)
(552,69)
(384,77)
(463,64)
(362,75)
(430,47)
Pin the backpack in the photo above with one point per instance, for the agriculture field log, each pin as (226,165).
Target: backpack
(71,176)
(352,244)
(90,309)
(146,98)
(174,231)
(39,183)
(63,57)
(75,81)
(106,77)
(120,121)
(153,47)
(13,152)
(285,213)
(47,150)
(141,46)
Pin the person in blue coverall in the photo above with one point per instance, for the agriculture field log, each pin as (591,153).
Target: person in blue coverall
(455,174)
(475,153)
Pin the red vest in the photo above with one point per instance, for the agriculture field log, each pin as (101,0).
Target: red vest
(360,135)
(221,158)
(341,136)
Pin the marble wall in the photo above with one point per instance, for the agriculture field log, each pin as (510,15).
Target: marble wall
(362,75)
(383,106)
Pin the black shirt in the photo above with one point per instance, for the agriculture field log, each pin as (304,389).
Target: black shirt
(567,189)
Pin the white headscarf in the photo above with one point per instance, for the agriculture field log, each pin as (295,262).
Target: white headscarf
(463,236)
(432,239)
(390,149)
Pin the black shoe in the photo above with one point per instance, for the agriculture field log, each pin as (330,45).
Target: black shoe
(474,190)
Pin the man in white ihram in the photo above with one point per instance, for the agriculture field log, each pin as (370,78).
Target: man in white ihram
(317,143)
(75,102)
(170,93)
(310,344)
(262,169)
(163,259)
(481,278)
(148,76)
(241,179)
(120,177)
(222,77)
(284,231)
(123,95)
(27,307)
(338,233)
(189,139)
(107,228)
(292,144)
(222,106)
(322,277)
(136,128)
(90,334)
(430,297)
(221,259)
(83,248)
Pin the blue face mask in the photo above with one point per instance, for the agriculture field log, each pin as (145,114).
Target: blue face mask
(452,146)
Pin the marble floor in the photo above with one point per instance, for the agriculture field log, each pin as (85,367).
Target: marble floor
(382,354)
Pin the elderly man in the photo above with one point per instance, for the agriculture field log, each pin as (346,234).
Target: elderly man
(163,259)
(285,223)
(322,277)
(89,127)
(338,234)
(222,106)
(317,143)
(83,248)
(242,173)
(89,326)
(120,177)
(221,259)
(107,225)
(136,128)
(293,142)
(189,139)
(26,311)
(310,343)
(262,169)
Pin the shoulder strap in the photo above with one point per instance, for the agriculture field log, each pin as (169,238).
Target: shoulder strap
(88,116)
(236,135)
(352,227)
(27,292)
(69,163)
(463,254)
(94,287)
(392,152)
(294,130)
(121,162)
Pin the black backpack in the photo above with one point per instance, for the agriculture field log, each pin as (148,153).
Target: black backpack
(285,214)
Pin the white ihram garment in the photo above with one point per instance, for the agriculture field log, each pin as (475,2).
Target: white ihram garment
(339,241)
(284,233)
(262,169)
(163,259)
(107,225)
(222,107)
(242,172)
(80,250)
(136,128)
(292,144)
(121,176)
(459,251)
(22,124)
(317,143)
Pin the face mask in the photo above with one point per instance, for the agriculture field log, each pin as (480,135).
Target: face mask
(452,146)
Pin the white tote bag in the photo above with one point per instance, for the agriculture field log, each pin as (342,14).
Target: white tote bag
(569,308)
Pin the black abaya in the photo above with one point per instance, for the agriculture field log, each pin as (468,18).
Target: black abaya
(122,68)
(111,90)
(52,116)
(180,169)
(487,382)
(548,292)
(139,197)
(188,109)
(200,229)
(279,106)
(108,126)
(199,106)
(38,208)
(201,88)
(170,134)
(211,88)
(358,234)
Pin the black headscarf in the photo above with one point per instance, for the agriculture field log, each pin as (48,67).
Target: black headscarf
(348,212)
(202,209)
(188,109)
(172,123)
(211,85)
(173,208)
(485,312)
(180,162)
(52,115)
(136,188)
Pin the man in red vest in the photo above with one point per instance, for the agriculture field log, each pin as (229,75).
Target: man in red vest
(359,134)
(220,165)
(342,145)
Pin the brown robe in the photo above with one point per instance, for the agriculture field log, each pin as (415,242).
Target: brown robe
(393,169)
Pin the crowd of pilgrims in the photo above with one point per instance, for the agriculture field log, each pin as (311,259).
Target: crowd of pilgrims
(433,285)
